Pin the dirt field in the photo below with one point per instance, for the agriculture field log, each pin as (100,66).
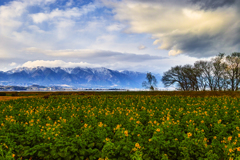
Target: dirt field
(6,98)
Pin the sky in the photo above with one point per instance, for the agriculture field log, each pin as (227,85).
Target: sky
(135,35)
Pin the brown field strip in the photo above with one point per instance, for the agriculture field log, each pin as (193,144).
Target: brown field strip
(7,98)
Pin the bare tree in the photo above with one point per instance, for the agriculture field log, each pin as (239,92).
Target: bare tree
(151,82)
(233,70)
(185,77)
(218,69)
(221,73)
(175,76)
(201,67)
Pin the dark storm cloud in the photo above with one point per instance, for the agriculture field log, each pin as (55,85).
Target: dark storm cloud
(198,46)
(197,28)
(236,41)
(204,4)
(117,56)
(212,4)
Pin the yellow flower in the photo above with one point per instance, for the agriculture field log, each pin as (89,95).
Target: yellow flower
(214,137)
(149,140)
(137,145)
(202,130)
(100,124)
(176,139)
(126,133)
(202,121)
(158,130)
(229,138)
(189,134)
(85,125)
(230,150)
(13,155)
(118,126)
(138,135)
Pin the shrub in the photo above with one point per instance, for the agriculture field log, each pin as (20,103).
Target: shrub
(14,94)
(2,94)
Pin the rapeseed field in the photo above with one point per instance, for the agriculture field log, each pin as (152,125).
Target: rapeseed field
(103,126)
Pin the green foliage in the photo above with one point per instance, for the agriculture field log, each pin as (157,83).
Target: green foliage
(133,127)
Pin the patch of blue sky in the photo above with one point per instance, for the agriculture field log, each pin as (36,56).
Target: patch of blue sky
(4,2)
(62,4)
(104,11)
(34,9)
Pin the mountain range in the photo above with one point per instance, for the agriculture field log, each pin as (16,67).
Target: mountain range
(73,77)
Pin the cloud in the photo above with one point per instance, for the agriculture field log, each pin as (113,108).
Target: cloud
(213,4)
(13,64)
(142,47)
(115,27)
(69,3)
(21,27)
(185,27)
(57,63)
(95,56)
(68,13)
(50,32)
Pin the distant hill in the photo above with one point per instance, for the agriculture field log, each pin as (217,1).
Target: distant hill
(73,77)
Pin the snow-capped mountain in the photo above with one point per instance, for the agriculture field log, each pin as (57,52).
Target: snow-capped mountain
(76,77)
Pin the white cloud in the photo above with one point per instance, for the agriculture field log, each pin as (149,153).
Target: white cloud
(105,38)
(193,14)
(13,64)
(142,47)
(69,3)
(68,13)
(57,63)
(174,52)
(95,56)
(115,27)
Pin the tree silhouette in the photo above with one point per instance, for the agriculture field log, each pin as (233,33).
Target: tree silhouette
(151,81)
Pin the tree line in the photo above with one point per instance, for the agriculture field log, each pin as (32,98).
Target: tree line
(221,73)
